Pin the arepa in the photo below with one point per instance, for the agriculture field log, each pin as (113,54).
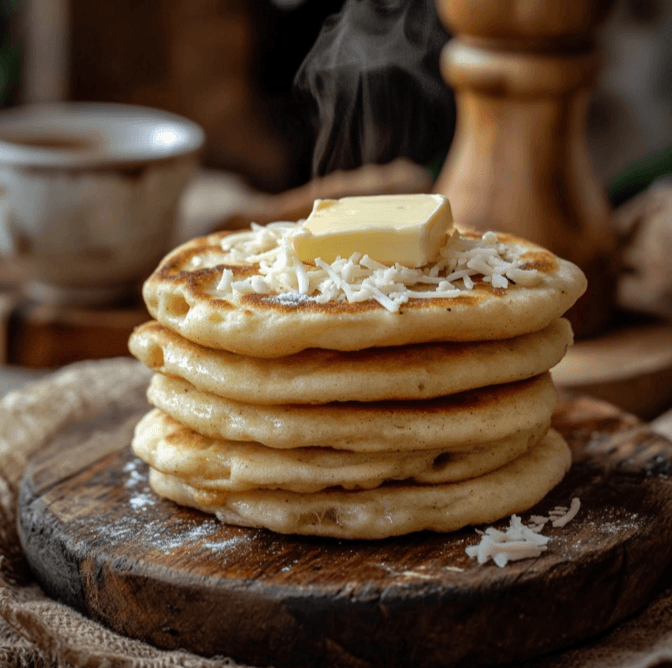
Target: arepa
(359,397)
(316,376)
(221,465)
(248,293)
(389,510)
(453,422)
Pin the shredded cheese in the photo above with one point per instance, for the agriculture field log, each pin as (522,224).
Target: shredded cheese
(568,515)
(520,541)
(359,278)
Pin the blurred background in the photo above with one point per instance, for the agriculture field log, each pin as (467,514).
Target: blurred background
(265,80)
(230,66)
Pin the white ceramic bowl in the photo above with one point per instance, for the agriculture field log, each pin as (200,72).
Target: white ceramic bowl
(90,194)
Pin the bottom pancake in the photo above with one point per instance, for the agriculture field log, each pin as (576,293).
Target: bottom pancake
(221,465)
(391,510)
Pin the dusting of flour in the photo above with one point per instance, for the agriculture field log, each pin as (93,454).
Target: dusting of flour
(179,533)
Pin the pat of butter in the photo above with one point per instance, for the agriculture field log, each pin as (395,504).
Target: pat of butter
(408,229)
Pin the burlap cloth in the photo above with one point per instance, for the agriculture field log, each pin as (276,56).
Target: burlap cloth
(38,632)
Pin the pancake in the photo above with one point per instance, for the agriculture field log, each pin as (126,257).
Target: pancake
(218,465)
(421,371)
(188,294)
(389,510)
(454,422)
(354,398)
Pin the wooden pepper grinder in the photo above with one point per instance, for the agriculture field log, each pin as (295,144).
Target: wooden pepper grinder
(523,73)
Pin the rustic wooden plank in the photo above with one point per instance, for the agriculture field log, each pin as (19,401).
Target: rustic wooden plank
(50,335)
(98,539)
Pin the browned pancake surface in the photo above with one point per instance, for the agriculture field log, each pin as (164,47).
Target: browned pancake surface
(315,376)
(181,294)
(451,423)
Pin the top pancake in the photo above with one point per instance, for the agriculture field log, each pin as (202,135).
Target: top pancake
(183,295)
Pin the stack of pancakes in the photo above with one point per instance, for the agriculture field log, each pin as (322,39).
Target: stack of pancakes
(274,409)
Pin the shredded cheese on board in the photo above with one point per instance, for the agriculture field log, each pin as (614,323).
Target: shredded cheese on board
(359,278)
(520,541)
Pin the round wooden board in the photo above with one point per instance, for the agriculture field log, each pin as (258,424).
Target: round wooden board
(99,540)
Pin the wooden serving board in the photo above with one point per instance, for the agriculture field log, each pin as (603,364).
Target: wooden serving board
(99,540)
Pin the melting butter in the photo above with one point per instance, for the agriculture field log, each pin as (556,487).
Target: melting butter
(408,229)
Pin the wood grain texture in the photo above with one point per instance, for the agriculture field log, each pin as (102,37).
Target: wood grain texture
(630,366)
(540,24)
(523,75)
(99,540)
(51,335)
